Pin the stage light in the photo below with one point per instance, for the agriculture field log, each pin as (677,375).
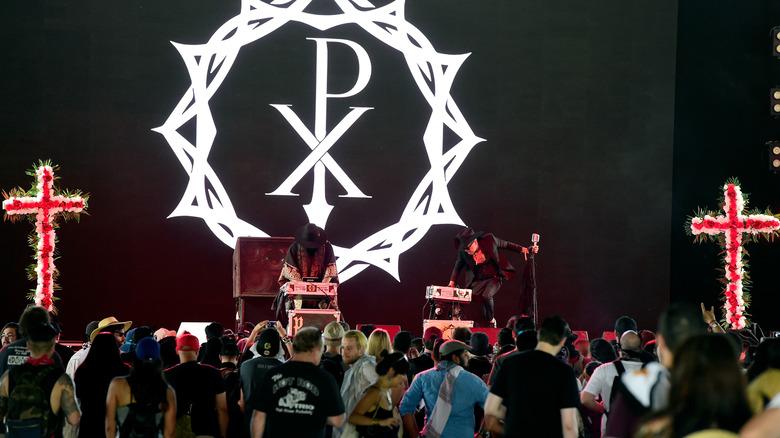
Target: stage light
(773,150)
(776,41)
(774,99)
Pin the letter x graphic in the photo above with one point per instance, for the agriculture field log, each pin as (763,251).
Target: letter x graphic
(319,152)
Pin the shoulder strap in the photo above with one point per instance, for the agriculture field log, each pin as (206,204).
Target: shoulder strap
(619,366)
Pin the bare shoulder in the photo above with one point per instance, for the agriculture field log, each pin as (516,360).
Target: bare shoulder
(65,382)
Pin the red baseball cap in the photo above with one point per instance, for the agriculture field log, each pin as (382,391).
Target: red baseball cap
(187,342)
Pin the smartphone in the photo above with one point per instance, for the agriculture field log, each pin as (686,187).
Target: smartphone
(271,324)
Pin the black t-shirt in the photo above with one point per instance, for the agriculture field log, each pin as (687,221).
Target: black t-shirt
(535,386)
(479,366)
(335,366)
(297,398)
(252,374)
(16,353)
(196,387)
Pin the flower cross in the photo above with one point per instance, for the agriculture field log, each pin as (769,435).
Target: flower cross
(730,228)
(43,204)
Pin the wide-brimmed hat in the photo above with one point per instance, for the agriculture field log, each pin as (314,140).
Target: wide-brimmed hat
(465,237)
(108,322)
(480,344)
(310,236)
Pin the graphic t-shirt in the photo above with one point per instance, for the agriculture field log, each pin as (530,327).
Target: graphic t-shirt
(297,398)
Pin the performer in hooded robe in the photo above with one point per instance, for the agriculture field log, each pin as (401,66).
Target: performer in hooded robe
(485,267)
(310,256)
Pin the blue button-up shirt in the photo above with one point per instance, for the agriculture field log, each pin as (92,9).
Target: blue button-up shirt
(468,391)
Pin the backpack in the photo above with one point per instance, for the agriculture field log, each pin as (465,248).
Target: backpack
(29,395)
(142,421)
(616,382)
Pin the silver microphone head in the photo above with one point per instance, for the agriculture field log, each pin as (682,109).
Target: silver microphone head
(535,238)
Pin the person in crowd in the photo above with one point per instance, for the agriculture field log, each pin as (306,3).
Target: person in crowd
(361,374)
(127,350)
(505,341)
(647,390)
(332,362)
(462,334)
(583,347)
(375,414)
(268,355)
(378,342)
(766,424)
(534,393)
(92,379)
(37,393)
(764,387)
(479,364)
(208,354)
(647,336)
(707,391)
(591,420)
(142,402)
(486,268)
(602,351)
(417,344)
(297,398)
(366,329)
(16,353)
(200,391)
(402,343)
(622,325)
(9,334)
(525,340)
(600,383)
(114,326)
(229,370)
(450,394)
(425,361)
(80,355)
(63,351)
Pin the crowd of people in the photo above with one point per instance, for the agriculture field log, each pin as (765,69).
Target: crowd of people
(689,378)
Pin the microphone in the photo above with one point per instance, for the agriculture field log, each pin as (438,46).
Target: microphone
(535,240)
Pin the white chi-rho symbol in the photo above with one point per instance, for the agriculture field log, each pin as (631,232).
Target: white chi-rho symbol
(321,141)
(434,73)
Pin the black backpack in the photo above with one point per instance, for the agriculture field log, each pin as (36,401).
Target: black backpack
(616,382)
(142,420)
(29,394)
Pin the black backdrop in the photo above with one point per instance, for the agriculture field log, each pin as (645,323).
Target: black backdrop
(576,104)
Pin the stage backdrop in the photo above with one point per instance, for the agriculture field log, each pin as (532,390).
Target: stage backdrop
(391,124)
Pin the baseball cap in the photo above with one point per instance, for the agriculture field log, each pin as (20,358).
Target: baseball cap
(268,343)
(147,349)
(433,332)
(187,342)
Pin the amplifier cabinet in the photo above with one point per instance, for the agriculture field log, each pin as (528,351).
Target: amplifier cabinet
(300,318)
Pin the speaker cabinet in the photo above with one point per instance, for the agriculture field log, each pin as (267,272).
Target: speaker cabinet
(257,263)
(300,318)
(446,325)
